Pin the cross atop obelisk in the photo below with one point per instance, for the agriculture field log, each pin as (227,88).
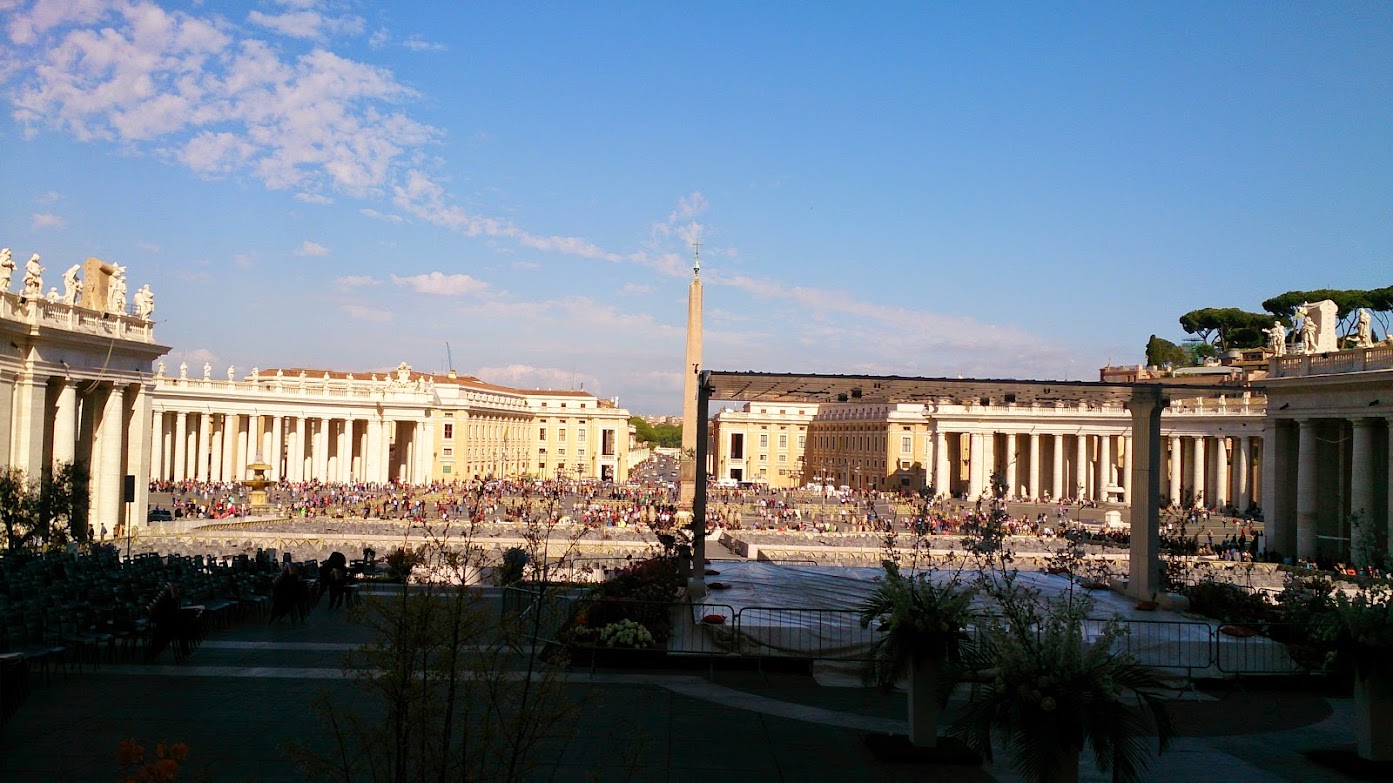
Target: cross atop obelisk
(690,368)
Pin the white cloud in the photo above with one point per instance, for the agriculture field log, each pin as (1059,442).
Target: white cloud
(313,198)
(245,260)
(440,284)
(524,376)
(195,358)
(365,313)
(635,289)
(309,25)
(350,282)
(200,92)
(47,220)
(526,266)
(418,44)
(379,38)
(383,216)
(308,248)
(50,197)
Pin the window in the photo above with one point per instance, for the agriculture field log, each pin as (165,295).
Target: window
(783,458)
(783,441)
(802,441)
(764,458)
(449,431)
(580,434)
(764,440)
(447,451)
(580,452)
(542,434)
(561,452)
(445,468)
(561,434)
(907,444)
(607,443)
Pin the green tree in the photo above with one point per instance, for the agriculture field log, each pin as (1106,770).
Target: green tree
(1226,327)
(662,435)
(1161,352)
(47,512)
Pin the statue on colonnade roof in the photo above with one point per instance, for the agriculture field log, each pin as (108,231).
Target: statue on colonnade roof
(144,302)
(72,285)
(7,268)
(34,277)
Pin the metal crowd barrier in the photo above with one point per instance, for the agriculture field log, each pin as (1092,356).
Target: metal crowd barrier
(837,634)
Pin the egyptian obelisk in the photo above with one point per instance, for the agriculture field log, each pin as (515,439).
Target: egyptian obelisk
(687,465)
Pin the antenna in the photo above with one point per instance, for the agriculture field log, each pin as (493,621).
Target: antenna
(449,360)
(696,258)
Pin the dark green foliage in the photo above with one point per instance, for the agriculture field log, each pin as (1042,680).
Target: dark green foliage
(1228,603)
(1161,352)
(48,512)
(510,571)
(668,436)
(1226,327)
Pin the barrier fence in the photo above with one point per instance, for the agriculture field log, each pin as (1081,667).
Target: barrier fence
(837,634)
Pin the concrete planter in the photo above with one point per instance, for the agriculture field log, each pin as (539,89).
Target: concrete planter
(1373,712)
(924,706)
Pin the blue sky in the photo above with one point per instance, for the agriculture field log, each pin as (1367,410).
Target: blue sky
(994,189)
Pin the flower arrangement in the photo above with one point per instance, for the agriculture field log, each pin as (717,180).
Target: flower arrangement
(626,633)
(921,617)
(130,757)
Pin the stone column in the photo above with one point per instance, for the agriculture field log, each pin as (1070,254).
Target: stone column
(181,445)
(215,448)
(941,482)
(1197,473)
(1388,517)
(138,452)
(974,465)
(1105,465)
(1268,498)
(277,456)
(425,452)
(1057,468)
(1222,472)
(106,479)
(1243,463)
(157,455)
(200,466)
(231,425)
(1033,453)
(1361,492)
(1011,470)
(323,430)
(167,446)
(31,408)
(1177,454)
(1307,501)
(1145,575)
(7,403)
(65,424)
(1080,466)
(344,449)
(245,438)
(1126,443)
(295,449)
(372,458)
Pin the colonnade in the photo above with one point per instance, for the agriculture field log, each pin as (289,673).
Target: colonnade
(66,418)
(1200,469)
(1329,480)
(220,447)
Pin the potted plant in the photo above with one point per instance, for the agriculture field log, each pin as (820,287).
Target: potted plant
(924,622)
(1359,628)
(1048,691)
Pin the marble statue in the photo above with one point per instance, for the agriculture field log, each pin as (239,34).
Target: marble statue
(1308,332)
(72,285)
(1277,339)
(184,371)
(1363,329)
(116,294)
(159,369)
(403,373)
(144,302)
(231,373)
(207,371)
(34,277)
(7,268)
(53,295)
